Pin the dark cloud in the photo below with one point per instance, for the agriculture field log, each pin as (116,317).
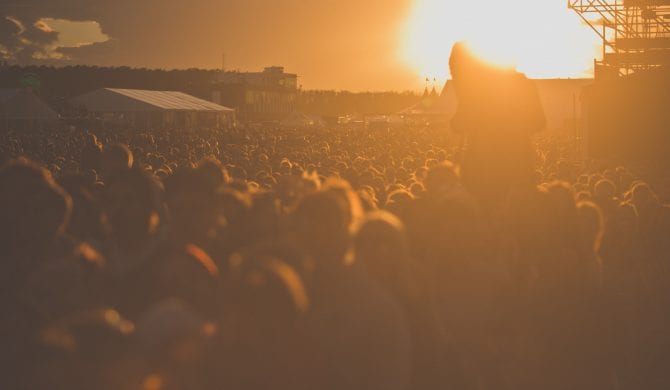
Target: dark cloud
(40,34)
(9,31)
(62,9)
(24,39)
(319,39)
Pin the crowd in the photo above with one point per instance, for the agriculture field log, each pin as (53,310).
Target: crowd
(343,259)
(407,258)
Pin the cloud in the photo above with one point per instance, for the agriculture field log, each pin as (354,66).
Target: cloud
(9,31)
(40,34)
(35,41)
(24,40)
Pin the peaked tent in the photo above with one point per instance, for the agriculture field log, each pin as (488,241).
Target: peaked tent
(22,109)
(154,108)
(432,106)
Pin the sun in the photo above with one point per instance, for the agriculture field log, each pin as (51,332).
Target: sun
(542,38)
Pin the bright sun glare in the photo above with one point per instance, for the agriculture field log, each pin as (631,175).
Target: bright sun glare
(542,38)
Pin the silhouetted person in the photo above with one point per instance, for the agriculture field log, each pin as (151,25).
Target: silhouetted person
(91,154)
(268,349)
(35,212)
(42,272)
(382,247)
(359,327)
(214,172)
(87,222)
(132,204)
(498,111)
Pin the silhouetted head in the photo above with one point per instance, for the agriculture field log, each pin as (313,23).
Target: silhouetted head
(322,221)
(86,222)
(132,204)
(91,153)
(643,197)
(591,226)
(398,201)
(270,295)
(558,235)
(213,171)
(367,198)
(264,217)
(92,139)
(116,158)
(441,179)
(381,245)
(269,301)
(33,208)
(465,66)
(604,190)
(192,203)
(343,189)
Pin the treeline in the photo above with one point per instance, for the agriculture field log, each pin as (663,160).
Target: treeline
(57,85)
(53,83)
(336,103)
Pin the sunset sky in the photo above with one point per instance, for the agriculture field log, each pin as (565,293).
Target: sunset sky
(331,44)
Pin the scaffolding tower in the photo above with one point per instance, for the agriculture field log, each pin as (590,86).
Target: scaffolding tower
(635,33)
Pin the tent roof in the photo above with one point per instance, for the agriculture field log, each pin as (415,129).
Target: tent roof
(22,103)
(123,100)
(432,104)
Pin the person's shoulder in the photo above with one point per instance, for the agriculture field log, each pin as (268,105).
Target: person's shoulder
(515,75)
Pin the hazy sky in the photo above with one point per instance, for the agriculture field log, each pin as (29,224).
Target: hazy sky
(340,44)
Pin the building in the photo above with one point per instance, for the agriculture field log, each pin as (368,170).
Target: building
(153,109)
(21,109)
(258,96)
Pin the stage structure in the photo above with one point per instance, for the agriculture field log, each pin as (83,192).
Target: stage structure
(635,33)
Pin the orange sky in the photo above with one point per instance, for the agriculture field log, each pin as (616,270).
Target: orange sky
(331,44)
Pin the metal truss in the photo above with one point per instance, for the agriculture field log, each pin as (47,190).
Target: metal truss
(635,33)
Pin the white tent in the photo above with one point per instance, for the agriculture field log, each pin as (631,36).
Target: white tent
(442,106)
(154,108)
